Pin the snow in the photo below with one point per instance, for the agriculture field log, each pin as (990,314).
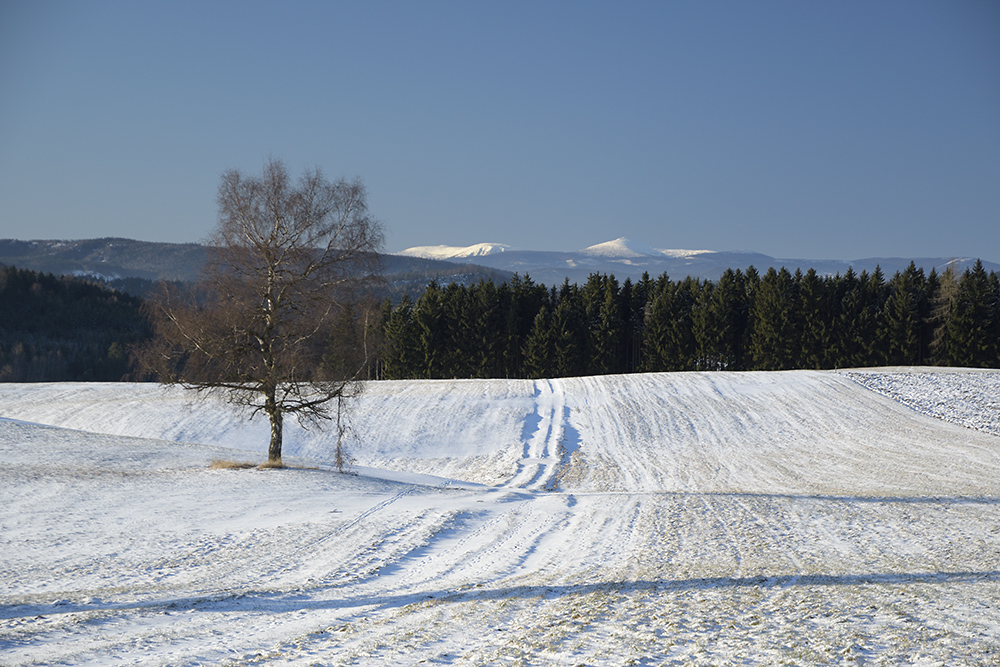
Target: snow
(950,396)
(679,253)
(621,248)
(686,518)
(455,252)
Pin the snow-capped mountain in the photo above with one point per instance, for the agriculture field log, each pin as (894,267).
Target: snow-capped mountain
(455,252)
(623,248)
(627,258)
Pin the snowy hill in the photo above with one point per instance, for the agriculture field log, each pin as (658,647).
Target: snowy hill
(702,518)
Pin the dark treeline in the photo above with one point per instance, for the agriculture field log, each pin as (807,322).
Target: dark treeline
(743,321)
(64,329)
(67,329)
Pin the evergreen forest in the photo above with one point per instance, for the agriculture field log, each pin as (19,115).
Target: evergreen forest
(60,329)
(67,329)
(743,321)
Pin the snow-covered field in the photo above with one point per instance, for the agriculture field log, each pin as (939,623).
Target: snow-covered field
(690,518)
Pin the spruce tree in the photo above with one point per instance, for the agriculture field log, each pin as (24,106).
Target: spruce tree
(427,316)
(814,313)
(538,356)
(486,330)
(773,342)
(905,314)
(971,326)
(607,336)
(569,334)
(719,320)
(942,300)
(871,325)
(656,328)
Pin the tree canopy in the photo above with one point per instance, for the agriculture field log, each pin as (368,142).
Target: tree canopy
(278,325)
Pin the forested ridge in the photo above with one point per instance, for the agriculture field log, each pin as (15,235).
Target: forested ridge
(743,321)
(68,329)
(59,329)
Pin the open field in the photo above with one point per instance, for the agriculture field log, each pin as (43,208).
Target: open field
(846,518)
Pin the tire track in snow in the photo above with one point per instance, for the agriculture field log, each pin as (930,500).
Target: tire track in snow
(543,435)
(743,525)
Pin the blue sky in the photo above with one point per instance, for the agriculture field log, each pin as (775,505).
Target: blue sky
(797,129)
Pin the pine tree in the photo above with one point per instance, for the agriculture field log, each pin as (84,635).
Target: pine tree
(773,342)
(458,343)
(814,314)
(402,354)
(427,316)
(608,334)
(971,327)
(871,325)
(569,334)
(669,332)
(486,329)
(538,350)
(719,320)
(526,299)
(635,322)
(906,310)
(942,300)
(656,327)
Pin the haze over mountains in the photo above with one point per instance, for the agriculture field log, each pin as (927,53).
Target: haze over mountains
(116,259)
(626,258)
(134,265)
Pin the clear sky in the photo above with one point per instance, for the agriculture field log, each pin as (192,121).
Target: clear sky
(834,129)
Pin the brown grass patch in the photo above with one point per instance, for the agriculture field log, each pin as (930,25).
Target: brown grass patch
(222,464)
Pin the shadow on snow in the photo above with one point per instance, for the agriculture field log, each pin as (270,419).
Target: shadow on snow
(276,602)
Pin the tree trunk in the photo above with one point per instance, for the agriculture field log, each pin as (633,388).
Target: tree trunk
(275,416)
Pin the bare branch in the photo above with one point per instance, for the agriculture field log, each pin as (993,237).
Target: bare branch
(270,325)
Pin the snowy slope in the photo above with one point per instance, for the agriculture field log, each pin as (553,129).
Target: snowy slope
(689,518)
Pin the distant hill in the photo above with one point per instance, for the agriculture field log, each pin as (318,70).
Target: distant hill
(62,329)
(133,266)
(626,258)
(106,258)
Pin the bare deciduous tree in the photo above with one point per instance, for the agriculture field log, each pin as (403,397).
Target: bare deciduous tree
(278,325)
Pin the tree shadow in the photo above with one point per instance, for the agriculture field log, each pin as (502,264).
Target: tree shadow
(277,602)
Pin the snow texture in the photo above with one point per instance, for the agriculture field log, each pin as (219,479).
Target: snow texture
(659,519)
(968,400)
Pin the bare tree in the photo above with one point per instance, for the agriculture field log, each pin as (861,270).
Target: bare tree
(279,323)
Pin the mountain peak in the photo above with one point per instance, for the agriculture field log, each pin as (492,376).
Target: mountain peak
(455,252)
(622,247)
